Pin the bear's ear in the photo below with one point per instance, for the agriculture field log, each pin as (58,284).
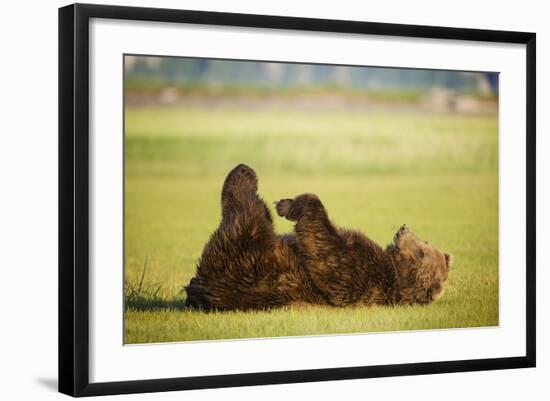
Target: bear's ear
(449,260)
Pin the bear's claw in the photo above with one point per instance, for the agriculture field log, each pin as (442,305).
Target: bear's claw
(242,179)
(283,207)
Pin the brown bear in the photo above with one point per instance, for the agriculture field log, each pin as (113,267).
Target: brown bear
(245,265)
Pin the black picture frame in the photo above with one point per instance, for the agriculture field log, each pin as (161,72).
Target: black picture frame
(74,193)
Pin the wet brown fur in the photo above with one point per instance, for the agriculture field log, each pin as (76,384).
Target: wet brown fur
(245,265)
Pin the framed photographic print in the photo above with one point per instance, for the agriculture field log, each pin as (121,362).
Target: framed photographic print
(276,199)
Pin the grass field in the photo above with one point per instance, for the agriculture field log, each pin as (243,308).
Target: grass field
(374,172)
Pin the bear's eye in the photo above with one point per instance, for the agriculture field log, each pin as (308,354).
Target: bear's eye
(420,253)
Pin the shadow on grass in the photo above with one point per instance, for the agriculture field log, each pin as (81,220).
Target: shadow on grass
(141,303)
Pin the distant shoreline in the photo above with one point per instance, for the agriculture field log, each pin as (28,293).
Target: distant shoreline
(433,102)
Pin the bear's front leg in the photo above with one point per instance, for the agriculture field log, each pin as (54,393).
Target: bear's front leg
(322,248)
(315,233)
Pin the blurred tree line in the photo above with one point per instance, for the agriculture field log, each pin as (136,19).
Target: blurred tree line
(177,70)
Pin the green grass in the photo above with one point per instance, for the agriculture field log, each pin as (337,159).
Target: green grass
(374,172)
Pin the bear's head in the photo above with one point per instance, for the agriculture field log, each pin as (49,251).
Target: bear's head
(422,269)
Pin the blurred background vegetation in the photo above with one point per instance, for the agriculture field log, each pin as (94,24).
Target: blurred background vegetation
(380,146)
(178,77)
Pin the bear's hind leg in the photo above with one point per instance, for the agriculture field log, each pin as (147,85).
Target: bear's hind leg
(239,188)
(240,195)
(236,265)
